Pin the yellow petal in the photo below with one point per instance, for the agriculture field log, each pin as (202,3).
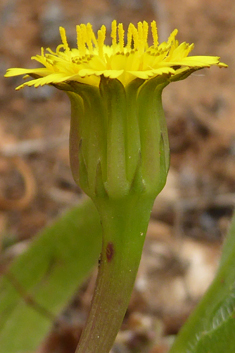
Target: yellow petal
(124,61)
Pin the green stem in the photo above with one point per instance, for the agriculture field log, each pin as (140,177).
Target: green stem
(124,227)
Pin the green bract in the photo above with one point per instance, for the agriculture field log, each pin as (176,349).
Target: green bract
(118,140)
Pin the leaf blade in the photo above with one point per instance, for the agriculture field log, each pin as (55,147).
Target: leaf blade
(49,271)
(211,327)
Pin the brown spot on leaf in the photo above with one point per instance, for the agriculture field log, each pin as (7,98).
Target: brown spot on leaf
(109,251)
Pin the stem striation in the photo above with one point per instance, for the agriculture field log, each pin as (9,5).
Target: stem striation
(124,227)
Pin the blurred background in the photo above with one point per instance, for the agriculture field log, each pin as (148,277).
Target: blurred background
(190,217)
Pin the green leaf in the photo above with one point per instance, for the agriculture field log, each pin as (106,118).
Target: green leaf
(50,271)
(211,327)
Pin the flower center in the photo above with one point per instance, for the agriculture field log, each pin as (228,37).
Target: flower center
(89,45)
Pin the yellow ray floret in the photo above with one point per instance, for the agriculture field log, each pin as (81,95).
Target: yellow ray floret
(125,59)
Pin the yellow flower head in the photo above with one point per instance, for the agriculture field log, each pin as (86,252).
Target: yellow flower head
(125,59)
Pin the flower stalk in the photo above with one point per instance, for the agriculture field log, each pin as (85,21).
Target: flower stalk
(124,227)
(113,162)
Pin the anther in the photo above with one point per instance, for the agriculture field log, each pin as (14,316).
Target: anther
(64,39)
(89,37)
(154,34)
(129,36)
(121,36)
(114,34)
(101,39)
(80,41)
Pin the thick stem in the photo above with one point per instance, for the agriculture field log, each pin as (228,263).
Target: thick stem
(124,227)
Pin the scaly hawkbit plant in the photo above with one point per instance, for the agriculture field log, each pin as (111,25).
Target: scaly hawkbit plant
(119,149)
